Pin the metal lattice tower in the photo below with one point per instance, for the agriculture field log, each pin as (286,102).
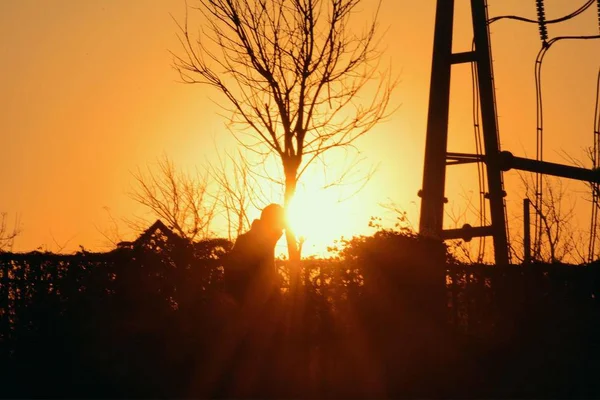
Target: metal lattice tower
(437,157)
(436,154)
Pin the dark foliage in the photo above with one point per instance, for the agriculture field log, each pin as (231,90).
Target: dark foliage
(392,317)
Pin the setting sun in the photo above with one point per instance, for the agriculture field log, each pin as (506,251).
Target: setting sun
(318,217)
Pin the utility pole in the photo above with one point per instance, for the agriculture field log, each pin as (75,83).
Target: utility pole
(526,232)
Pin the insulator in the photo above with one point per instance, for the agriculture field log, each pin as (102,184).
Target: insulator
(598,3)
(541,13)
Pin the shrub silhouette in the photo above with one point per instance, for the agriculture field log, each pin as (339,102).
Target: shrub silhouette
(392,316)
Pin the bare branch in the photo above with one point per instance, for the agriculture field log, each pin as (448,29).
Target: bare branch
(238,191)
(8,234)
(556,215)
(181,200)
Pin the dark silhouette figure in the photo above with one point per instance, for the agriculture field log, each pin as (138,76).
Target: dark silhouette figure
(245,346)
(250,266)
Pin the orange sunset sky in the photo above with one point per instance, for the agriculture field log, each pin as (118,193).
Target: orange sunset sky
(88,94)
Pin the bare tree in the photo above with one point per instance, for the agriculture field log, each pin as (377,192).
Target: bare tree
(239,190)
(190,203)
(292,74)
(8,234)
(557,238)
(180,199)
(112,233)
(591,156)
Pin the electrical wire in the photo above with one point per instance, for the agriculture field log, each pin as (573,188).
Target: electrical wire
(595,186)
(595,158)
(539,151)
(540,130)
(479,152)
(567,17)
(546,44)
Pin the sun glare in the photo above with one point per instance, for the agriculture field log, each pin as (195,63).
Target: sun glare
(317,217)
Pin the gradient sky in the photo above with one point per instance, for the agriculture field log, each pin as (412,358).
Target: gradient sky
(88,94)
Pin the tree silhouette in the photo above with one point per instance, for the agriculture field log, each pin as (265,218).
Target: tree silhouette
(180,199)
(8,234)
(557,238)
(238,191)
(189,203)
(293,74)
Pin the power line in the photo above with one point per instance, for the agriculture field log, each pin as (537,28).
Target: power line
(595,158)
(479,152)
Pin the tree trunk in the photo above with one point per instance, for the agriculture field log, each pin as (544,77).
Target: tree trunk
(297,294)
(292,243)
